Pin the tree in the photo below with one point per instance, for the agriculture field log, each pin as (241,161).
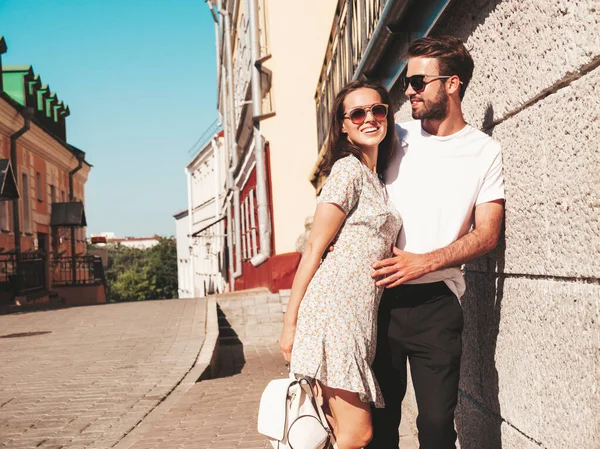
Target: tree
(136,274)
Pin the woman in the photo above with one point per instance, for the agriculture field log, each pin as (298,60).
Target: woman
(330,324)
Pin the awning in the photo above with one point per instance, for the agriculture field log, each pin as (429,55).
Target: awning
(68,214)
(8,185)
(214,221)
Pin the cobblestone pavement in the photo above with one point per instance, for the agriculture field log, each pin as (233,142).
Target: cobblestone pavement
(83,377)
(222,413)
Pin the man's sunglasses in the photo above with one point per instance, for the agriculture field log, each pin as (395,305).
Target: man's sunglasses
(359,115)
(418,82)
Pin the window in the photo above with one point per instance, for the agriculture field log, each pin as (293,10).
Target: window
(247,228)
(243,231)
(253,223)
(63,197)
(38,186)
(26,210)
(52,194)
(4,215)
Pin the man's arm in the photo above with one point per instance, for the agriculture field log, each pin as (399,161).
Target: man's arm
(405,266)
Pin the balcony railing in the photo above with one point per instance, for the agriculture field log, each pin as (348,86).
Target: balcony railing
(206,137)
(31,271)
(80,270)
(8,271)
(353,26)
(26,274)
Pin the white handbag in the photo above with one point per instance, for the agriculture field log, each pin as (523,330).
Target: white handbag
(290,417)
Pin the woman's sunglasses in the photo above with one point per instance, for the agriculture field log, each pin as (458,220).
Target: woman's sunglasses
(359,115)
(418,82)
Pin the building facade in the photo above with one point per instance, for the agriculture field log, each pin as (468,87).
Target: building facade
(266,88)
(42,228)
(206,255)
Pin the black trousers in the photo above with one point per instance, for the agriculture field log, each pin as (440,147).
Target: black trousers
(421,323)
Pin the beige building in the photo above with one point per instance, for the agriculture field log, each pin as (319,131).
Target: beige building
(269,63)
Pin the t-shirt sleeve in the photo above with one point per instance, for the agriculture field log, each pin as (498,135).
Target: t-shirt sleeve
(493,183)
(343,185)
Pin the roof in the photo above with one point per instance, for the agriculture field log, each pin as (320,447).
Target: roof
(132,239)
(68,214)
(214,221)
(182,213)
(8,185)
(17,68)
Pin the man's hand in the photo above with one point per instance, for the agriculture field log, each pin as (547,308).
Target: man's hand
(286,341)
(403,267)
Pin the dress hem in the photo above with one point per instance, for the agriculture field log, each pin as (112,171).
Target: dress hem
(361,395)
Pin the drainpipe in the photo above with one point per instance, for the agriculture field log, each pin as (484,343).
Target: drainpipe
(217,167)
(264,223)
(225,79)
(230,245)
(230,113)
(229,78)
(190,192)
(214,267)
(80,158)
(27,116)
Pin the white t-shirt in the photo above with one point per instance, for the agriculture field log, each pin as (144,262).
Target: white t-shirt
(435,182)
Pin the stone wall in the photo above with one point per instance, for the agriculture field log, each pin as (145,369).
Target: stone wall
(251,316)
(530,362)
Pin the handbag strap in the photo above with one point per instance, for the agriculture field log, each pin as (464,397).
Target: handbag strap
(309,391)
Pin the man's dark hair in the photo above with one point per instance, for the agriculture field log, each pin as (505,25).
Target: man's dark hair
(452,55)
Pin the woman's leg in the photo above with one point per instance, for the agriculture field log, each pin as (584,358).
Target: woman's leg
(351,418)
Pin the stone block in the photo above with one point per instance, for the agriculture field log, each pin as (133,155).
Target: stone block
(235,312)
(274,309)
(253,331)
(263,319)
(531,45)
(236,322)
(274,299)
(477,428)
(262,310)
(234,303)
(530,356)
(260,300)
(252,320)
(248,302)
(552,221)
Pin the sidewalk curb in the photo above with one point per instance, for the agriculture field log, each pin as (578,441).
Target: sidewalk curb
(205,367)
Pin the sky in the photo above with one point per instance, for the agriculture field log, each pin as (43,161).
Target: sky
(139,77)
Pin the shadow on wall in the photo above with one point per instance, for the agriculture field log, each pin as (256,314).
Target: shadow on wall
(478,414)
(231,349)
(463,17)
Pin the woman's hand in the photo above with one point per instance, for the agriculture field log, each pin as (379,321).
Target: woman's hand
(286,341)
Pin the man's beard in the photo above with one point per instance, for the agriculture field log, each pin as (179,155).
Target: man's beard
(435,109)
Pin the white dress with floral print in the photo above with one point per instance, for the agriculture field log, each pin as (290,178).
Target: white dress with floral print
(336,333)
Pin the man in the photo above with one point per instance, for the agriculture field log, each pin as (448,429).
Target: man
(446,180)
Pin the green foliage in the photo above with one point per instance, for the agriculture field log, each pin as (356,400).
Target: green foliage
(138,274)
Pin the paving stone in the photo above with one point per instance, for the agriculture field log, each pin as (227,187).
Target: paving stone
(86,383)
(222,413)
